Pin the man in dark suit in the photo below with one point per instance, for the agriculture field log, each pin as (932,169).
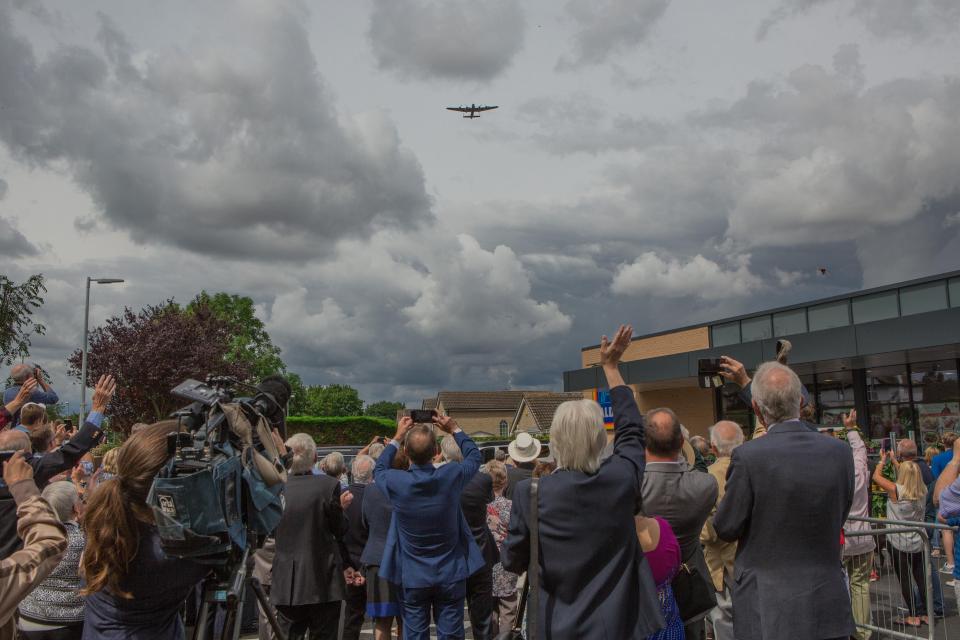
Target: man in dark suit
(351,551)
(430,549)
(678,494)
(787,497)
(307,575)
(474,500)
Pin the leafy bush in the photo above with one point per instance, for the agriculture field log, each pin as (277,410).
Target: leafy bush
(348,430)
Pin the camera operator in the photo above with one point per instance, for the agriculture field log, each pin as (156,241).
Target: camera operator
(12,408)
(47,465)
(44,537)
(21,374)
(134,590)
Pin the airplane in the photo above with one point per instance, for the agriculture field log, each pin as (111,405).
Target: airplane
(472,111)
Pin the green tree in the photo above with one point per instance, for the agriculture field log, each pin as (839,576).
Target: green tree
(17,304)
(384,409)
(298,397)
(250,343)
(334,400)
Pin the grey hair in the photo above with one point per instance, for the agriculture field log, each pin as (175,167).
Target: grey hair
(62,497)
(777,391)
(725,446)
(363,469)
(451,450)
(333,464)
(577,435)
(20,373)
(376,449)
(304,452)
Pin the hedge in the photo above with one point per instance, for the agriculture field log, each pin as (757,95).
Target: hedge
(349,430)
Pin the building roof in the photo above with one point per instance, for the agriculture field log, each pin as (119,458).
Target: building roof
(542,406)
(480,400)
(429,403)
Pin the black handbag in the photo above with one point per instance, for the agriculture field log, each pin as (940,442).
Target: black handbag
(531,588)
(694,594)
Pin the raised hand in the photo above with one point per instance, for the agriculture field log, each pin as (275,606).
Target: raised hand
(16,469)
(103,393)
(23,396)
(446,423)
(612,351)
(404,425)
(850,419)
(734,371)
(346,498)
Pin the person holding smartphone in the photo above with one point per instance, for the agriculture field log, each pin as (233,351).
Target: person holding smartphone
(42,394)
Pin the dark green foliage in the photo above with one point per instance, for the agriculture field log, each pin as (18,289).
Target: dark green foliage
(17,304)
(347,430)
(384,409)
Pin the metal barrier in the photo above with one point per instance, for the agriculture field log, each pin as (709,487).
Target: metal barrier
(891,587)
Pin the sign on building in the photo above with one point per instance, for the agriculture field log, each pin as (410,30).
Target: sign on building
(602,396)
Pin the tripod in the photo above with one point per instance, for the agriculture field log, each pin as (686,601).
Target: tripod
(229,595)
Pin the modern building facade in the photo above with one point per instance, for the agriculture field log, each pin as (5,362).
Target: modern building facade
(892,353)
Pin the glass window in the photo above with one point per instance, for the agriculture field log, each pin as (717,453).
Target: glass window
(878,306)
(936,396)
(888,398)
(834,396)
(923,297)
(789,323)
(503,429)
(954,287)
(755,329)
(828,316)
(724,334)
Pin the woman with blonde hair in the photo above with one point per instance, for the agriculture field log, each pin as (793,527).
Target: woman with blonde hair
(928,454)
(134,590)
(906,501)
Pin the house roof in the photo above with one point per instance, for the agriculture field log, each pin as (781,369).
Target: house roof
(480,400)
(542,406)
(429,403)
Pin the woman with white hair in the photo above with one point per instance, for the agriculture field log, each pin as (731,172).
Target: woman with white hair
(54,610)
(594,579)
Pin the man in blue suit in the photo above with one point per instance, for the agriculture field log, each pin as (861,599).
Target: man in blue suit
(430,550)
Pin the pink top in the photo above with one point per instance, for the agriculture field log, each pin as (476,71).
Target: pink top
(665,559)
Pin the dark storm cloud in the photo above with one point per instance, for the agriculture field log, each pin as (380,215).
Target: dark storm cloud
(448,39)
(607,27)
(13,244)
(916,20)
(215,151)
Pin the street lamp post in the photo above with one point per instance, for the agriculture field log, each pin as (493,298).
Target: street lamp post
(86,330)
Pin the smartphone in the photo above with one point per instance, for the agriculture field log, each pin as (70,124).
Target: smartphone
(68,424)
(4,456)
(422,416)
(708,373)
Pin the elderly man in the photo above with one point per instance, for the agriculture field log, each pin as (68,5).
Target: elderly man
(681,496)
(523,451)
(429,548)
(787,520)
(20,374)
(725,436)
(307,575)
(47,465)
(353,543)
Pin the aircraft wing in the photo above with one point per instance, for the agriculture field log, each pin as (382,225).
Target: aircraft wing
(486,108)
(462,109)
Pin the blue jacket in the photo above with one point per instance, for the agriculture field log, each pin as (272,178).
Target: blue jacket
(429,542)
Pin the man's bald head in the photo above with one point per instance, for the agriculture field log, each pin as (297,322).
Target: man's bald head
(725,436)
(20,373)
(907,450)
(420,444)
(13,440)
(664,434)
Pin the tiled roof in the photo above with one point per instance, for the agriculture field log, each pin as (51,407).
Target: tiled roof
(542,406)
(429,403)
(481,400)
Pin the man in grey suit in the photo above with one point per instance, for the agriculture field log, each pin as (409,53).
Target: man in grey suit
(676,493)
(787,497)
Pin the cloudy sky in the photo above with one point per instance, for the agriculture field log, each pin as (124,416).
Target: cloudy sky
(659,162)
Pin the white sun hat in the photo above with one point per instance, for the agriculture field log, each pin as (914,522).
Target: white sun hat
(524,447)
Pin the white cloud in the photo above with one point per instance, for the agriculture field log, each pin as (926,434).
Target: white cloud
(652,275)
(915,20)
(606,27)
(449,39)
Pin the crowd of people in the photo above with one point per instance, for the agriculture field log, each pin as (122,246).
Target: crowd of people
(653,534)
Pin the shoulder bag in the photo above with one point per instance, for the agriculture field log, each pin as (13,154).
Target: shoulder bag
(531,587)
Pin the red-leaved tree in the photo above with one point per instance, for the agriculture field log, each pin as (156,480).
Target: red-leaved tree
(150,352)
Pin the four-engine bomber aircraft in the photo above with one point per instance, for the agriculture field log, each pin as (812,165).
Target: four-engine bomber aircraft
(472,111)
